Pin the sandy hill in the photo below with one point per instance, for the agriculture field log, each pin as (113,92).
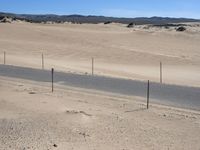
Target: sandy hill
(118,51)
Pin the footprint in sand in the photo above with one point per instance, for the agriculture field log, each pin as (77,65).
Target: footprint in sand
(79,116)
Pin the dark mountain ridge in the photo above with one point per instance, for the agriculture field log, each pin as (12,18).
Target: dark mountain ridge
(94,19)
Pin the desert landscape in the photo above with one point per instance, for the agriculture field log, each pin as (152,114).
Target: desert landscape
(32,117)
(118,51)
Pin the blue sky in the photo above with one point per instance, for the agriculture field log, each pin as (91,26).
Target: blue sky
(116,8)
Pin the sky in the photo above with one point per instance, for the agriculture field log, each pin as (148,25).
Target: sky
(114,8)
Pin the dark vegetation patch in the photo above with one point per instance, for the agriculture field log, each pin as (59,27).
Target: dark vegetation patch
(180,29)
(6,20)
(32,92)
(169,25)
(108,22)
(131,25)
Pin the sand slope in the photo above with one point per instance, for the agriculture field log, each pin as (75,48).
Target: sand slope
(118,51)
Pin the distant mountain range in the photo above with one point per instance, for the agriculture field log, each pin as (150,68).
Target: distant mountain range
(94,19)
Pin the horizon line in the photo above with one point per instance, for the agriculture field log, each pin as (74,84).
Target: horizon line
(93,15)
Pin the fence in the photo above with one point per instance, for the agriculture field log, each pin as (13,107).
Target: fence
(180,96)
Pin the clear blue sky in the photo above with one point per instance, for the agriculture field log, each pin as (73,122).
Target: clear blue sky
(116,8)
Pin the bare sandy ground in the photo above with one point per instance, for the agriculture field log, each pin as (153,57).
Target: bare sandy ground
(118,51)
(31,117)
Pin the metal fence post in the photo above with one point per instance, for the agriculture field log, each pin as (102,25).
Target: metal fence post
(52,79)
(4,60)
(42,61)
(148,87)
(92,66)
(161,72)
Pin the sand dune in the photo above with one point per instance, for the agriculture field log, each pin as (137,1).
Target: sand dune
(118,51)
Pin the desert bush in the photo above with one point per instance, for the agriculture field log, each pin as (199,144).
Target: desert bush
(130,25)
(108,22)
(181,29)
